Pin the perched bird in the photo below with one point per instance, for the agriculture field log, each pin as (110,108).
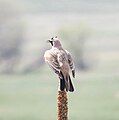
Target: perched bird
(61,62)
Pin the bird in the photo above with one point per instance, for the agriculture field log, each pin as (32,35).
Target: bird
(61,62)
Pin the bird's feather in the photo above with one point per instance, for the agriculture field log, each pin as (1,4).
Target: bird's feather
(71,63)
(52,61)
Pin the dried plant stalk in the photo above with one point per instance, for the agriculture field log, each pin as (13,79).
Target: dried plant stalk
(62,105)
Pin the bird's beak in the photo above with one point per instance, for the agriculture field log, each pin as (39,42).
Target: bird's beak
(50,41)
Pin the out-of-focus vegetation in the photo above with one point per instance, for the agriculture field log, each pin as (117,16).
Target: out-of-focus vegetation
(33,96)
(77,35)
(87,29)
(26,25)
(11,36)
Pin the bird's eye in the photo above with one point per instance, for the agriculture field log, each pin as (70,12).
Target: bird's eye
(52,38)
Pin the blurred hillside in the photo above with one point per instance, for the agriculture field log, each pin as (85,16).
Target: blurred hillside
(26,25)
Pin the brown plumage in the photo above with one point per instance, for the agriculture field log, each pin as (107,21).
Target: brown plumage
(61,62)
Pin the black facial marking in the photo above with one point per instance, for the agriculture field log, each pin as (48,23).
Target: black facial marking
(51,43)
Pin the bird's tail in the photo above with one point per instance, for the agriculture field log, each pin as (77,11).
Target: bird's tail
(65,83)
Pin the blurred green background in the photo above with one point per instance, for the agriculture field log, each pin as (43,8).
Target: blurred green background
(89,29)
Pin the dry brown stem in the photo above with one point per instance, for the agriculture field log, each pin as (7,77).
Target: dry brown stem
(62,105)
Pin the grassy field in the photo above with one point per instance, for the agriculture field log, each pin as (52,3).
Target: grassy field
(33,96)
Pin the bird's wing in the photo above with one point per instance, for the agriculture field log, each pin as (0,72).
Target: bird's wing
(60,58)
(51,59)
(71,63)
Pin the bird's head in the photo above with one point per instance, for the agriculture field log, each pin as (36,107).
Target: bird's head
(55,42)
